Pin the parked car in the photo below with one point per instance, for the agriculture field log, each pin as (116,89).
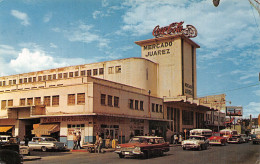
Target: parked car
(245,138)
(10,153)
(235,139)
(143,146)
(46,143)
(195,142)
(217,139)
(4,138)
(255,138)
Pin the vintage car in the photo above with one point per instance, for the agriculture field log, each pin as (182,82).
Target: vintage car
(195,142)
(4,138)
(255,138)
(10,153)
(235,139)
(46,143)
(143,146)
(201,132)
(245,138)
(217,139)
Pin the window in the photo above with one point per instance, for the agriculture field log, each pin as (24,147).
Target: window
(10,82)
(25,80)
(47,100)
(103,99)
(136,104)
(22,102)
(54,76)
(76,73)
(71,99)
(89,72)
(157,108)
(71,74)
(44,78)
(153,107)
(29,79)
(109,100)
(14,81)
(55,100)
(34,79)
(131,104)
(39,78)
(0,83)
(10,102)
(187,117)
(118,69)
(116,101)
(29,101)
(3,104)
(37,101)
(101,71)
(20,81)
(95,72)
(49,77)
(161,109)
(81,98)
(65,75)
(60,76)
(83,73)
(141,105)
(110,70)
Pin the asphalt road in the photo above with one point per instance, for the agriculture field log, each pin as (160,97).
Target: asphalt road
(246,153)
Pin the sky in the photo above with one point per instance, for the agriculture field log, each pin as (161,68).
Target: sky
(38,35)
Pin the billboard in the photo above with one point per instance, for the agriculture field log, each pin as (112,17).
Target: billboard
(234,111)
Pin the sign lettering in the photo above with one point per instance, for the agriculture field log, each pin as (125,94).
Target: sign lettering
(175,29)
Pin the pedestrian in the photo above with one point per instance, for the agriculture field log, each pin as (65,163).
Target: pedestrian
(180,138)
(176,138)
(100,144)
(75,141)
(79,140)
(26,140)
(18,140)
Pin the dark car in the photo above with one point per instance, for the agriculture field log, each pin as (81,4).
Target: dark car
(143,146)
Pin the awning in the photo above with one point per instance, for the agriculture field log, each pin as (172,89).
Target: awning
(45,129)
(5,128)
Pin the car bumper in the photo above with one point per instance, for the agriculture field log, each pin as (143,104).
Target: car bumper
(215,143)
(190,146)
(129,153)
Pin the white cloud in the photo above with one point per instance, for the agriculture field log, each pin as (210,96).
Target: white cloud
(21,16)
(252,108)
(52,45)
(105,3)
(81,32)
(47,17)
(7,50)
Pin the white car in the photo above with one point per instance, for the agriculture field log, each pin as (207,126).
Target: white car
(195,142)
(46,143)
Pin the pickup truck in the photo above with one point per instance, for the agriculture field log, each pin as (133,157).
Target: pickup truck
(195,142)
(143,146)
(46,143)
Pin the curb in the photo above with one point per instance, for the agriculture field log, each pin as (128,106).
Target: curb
(31,158)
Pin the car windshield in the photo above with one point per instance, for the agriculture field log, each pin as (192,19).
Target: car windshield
(196,138)
(216,134)
(50,139)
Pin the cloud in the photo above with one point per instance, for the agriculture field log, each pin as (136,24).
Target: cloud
(6,50)
(98,14)
(81,32)
(47,17)
(252,108)
(52,45)
(21,16)
(105,3)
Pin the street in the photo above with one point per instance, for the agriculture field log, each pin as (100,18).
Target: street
(246,153)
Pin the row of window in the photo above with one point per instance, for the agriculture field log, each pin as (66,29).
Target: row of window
(136,104)
(94,72)
(157,108)
(109,100)
(46,100)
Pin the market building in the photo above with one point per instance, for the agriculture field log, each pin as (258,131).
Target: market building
(153,94)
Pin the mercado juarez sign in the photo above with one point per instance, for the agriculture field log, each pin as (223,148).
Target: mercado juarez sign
(175,29)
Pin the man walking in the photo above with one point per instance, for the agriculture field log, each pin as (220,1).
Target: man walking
(74,141)
(79,140)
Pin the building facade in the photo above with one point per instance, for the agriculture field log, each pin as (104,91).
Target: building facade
(154,94)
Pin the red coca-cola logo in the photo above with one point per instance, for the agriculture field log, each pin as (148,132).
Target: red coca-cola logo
(174,29)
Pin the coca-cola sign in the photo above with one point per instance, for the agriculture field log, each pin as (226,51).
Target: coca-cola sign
(174,29)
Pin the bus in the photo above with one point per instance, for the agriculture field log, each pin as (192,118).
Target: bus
(201,132)
(228,133)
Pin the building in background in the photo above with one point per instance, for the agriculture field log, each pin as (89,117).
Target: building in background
(153,94)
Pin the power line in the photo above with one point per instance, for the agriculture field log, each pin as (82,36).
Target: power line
(253,85)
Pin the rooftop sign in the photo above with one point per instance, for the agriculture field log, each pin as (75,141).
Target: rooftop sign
(175,29)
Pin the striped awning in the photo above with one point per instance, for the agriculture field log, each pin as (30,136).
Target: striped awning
(5,128)
(45,129)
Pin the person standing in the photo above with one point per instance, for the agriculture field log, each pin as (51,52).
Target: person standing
(26,140)
(79,140)
(100,144)
(74,141)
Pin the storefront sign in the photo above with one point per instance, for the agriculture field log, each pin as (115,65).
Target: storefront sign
(158,49)
(64,119)
(174,29)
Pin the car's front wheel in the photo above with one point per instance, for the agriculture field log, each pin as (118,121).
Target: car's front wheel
(44,148)
(121,156)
